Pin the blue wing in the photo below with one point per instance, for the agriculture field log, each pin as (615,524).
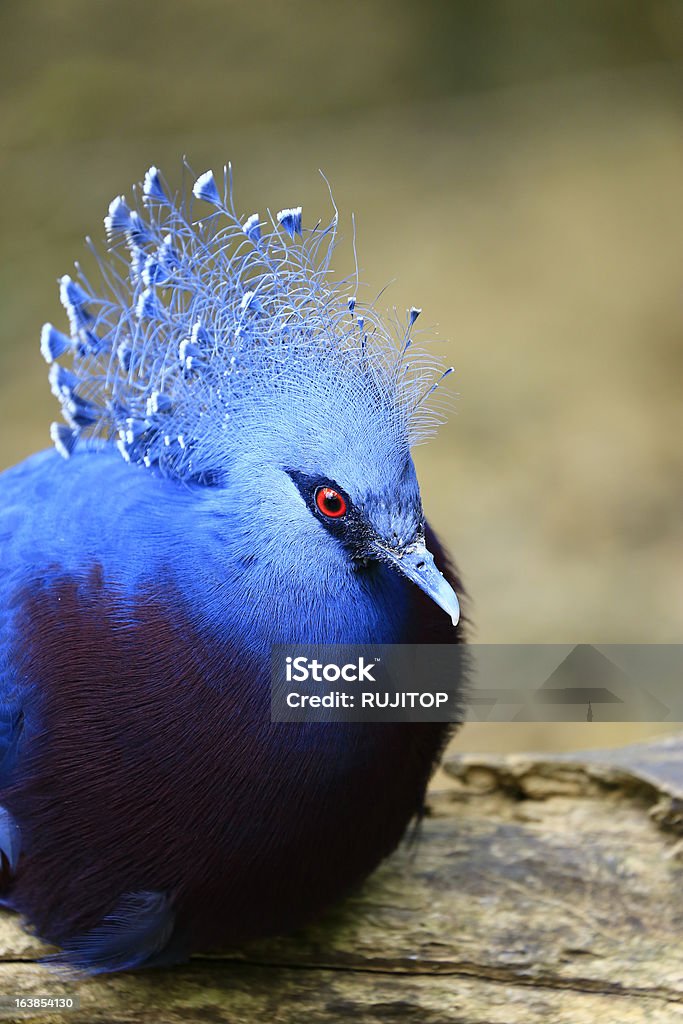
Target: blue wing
(24,499)
(33,497)
(53,521)
(132,936)
(12,514)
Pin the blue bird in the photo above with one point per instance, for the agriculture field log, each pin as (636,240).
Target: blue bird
(234,471)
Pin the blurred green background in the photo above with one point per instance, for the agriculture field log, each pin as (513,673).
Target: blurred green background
(515,170)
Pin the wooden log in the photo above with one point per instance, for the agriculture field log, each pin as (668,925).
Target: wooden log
(540,888)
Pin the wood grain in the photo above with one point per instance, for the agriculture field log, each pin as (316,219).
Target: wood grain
(538,889)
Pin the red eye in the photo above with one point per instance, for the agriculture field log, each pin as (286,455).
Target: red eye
(330,502)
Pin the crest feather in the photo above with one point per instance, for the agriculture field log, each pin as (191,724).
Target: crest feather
(198,319)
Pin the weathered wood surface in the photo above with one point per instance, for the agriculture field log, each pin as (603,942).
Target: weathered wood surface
(541,889)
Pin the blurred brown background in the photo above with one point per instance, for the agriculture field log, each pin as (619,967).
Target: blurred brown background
(514,166)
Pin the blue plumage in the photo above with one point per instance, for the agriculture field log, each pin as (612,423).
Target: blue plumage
(234,471)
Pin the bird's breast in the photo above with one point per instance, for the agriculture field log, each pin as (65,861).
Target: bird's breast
(154,765)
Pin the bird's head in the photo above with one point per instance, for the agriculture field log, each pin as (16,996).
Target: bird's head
(223,355)
(327,466)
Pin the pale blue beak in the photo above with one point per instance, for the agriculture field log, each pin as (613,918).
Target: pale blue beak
(418,565)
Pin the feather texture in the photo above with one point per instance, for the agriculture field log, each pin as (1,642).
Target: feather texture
(199,320)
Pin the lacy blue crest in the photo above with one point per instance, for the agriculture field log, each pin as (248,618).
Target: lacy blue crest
(198,319)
